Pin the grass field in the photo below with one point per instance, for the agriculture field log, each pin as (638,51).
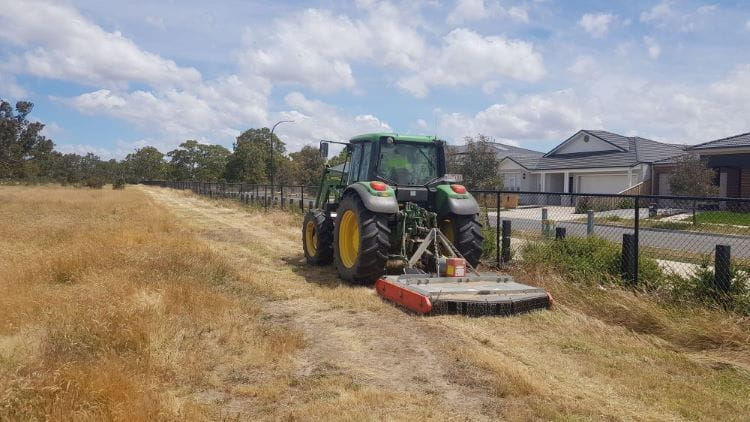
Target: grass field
(724,217)
(155,304)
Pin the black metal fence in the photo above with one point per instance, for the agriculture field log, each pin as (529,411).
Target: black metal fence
(680,235)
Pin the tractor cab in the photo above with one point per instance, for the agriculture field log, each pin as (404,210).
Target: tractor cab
(410,165)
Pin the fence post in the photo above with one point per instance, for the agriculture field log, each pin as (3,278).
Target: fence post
(497,227)
(627,266)
(590,222)
(544,222)
(506,241)
(722,275)
(636,240)
(265,196)
(302,198)
(560,233)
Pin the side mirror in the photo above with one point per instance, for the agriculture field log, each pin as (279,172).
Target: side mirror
(324,149)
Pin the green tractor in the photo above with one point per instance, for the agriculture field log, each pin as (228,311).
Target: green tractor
(374,211)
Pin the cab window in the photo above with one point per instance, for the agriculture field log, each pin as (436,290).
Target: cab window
(356,158)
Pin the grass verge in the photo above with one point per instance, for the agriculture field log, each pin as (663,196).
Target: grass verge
(112,309)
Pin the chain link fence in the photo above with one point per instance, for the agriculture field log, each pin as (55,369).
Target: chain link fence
(653,237)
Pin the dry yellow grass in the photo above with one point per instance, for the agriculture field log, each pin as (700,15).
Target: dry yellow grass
(119,307)
(111,309)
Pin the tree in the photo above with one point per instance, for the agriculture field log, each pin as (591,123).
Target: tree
(184,161)
(212,162)
(338,159)
(478,164)
(692,177)
(307,165)
(249,162)
(146,163)
(23,150)
(196,161)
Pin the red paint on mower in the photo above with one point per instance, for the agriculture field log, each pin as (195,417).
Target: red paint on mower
(408,299)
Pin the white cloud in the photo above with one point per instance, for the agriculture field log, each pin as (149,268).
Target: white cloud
(653,47)
(315,120)
(474,10)
(659,12)
(672,111)
(316,48)
(529,118)
(583,65)
(470,10)
(518,14)
(62,44)
(596,24)
(467,58)
(210,110)
(53,131)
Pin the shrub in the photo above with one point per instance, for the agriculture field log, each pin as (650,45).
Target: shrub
(700,287)
(489,244)
(602,203)
(588,259)
(118,184)
(94,182)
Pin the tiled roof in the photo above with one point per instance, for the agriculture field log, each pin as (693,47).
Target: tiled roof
(502,150)
(736,141)
(633,150)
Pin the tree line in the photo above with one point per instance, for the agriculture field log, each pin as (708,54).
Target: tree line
(26,155)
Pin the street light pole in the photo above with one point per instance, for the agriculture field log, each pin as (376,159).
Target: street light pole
(270,145)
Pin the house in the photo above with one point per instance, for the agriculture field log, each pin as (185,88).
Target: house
(729,157)
(590,161)
(514,175)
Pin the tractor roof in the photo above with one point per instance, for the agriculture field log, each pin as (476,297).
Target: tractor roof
(374,137)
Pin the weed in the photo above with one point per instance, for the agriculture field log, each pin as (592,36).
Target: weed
(588,259)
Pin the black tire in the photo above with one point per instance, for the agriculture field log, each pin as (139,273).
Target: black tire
(318,248)
(374,242)
(465,231)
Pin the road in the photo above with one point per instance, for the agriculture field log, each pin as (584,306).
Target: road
(679,241)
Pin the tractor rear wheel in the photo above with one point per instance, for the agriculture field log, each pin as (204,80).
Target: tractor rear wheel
(317,238)
(465,232)
(360,242)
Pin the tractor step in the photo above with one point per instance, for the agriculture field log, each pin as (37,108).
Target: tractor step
(475,295)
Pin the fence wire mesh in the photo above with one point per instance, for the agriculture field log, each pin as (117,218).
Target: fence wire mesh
(674,236)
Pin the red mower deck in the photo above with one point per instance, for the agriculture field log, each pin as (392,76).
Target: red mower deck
(476,295)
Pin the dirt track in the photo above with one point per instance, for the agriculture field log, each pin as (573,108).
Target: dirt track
(553,364)
(382,347)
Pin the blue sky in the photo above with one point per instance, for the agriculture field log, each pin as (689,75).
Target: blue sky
(109,77)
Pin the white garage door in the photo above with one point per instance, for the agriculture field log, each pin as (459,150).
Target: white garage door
(603,183)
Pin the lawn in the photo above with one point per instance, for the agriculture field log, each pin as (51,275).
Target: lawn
(724,217)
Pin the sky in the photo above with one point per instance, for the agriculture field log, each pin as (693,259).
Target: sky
(110,77)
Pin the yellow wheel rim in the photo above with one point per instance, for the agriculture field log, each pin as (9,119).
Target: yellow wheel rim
(348,238)
(311,238)
(446,226)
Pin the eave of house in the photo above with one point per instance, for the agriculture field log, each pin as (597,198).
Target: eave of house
(569,140)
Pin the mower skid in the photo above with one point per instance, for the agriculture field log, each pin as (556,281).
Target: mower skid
(476,295)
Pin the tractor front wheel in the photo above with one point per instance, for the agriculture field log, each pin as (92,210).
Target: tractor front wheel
(317,238)
(361,241)
(465,232)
